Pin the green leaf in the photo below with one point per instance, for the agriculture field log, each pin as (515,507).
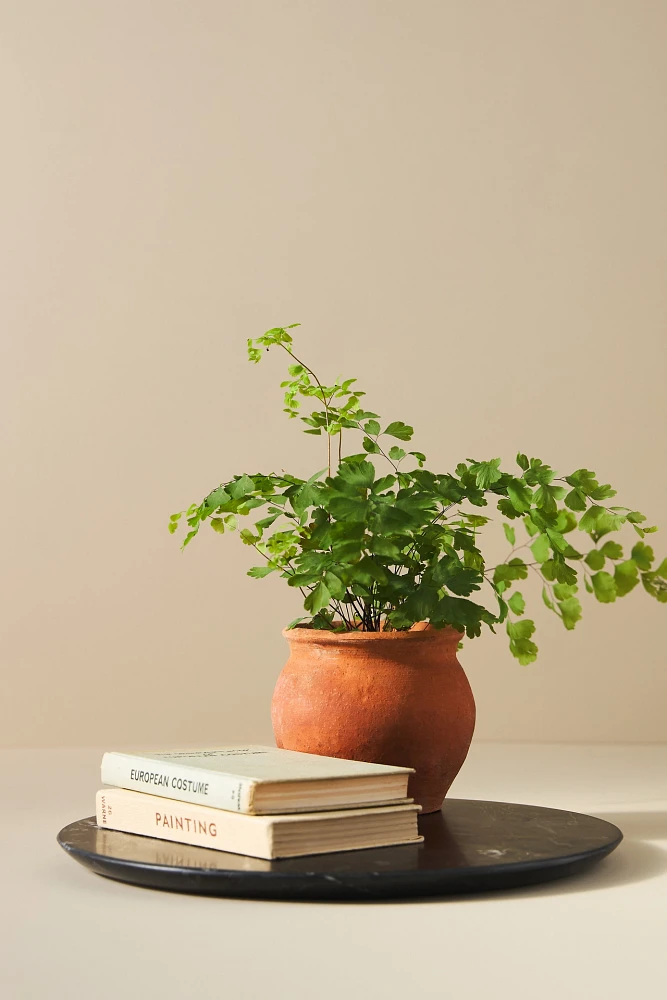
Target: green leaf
(450,573)
(475,520)
(655,584)
(507,510)
(521,645)
(473,560)
(266,522)
(486,473)
(372,427)
(257,572)
(294,623)
(520,496)
(626,577)
(546,496)
(173,526)
(595,559)
(396,454)
(393,520)
(317,598)
(584,479)
(590,519)
(517,603)
(530,525)
(303,579)
(562,591)
(399,430)
(218,525)
(566,521)
(538,473)
(419,605)
(560,544)
(643,555)
(661,570)
(360,475)
(247,537)
(372,447)
(462,615)
(349,509)
(385,547)
(188,538)
(510,534)
(547,600)
(604,587)
(218,497)
(612,550)
(570,610)
(385,483)
(503,608)
(241,487)
(602,492)
(367,571)
(335,586)
(515,569)
(522,461)
(634,517)
(576,500)
(305,497)
(540,548)
(557,569)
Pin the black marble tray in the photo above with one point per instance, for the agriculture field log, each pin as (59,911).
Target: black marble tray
(471,846)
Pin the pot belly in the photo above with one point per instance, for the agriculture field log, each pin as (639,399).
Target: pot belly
(422,718)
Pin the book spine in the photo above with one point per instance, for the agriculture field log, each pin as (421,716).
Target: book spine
(178,781)
(181,822)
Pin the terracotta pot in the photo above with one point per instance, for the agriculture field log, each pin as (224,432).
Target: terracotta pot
(387,697)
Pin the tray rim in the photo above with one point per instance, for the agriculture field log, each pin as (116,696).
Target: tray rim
(350,885)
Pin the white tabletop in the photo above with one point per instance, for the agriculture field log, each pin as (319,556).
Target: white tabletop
(70,934)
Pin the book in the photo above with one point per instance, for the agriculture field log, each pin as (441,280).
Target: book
(258,779)
(287,836)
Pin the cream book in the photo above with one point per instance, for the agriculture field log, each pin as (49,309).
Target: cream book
(258,779)
(287,836)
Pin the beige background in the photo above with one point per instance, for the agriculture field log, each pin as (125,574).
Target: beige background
(463,202)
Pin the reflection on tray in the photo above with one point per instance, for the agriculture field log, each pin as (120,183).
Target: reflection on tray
(468,835)
(149,851)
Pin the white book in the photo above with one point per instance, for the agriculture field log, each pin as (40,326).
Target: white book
(258,779)
(287,836)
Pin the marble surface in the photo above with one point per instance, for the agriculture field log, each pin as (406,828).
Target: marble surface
(470,846)
(600,934)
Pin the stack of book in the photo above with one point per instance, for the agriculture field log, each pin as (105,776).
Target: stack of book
(256,800)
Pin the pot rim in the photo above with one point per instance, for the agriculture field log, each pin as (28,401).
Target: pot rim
(304,634)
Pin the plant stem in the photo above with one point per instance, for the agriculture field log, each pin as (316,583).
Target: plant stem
(324,400)
(269,559)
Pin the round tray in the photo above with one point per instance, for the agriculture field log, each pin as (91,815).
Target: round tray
(471,846)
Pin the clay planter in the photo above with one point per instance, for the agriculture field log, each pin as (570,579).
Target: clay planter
(387,697)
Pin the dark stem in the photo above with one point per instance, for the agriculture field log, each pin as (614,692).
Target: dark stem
(324,400)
